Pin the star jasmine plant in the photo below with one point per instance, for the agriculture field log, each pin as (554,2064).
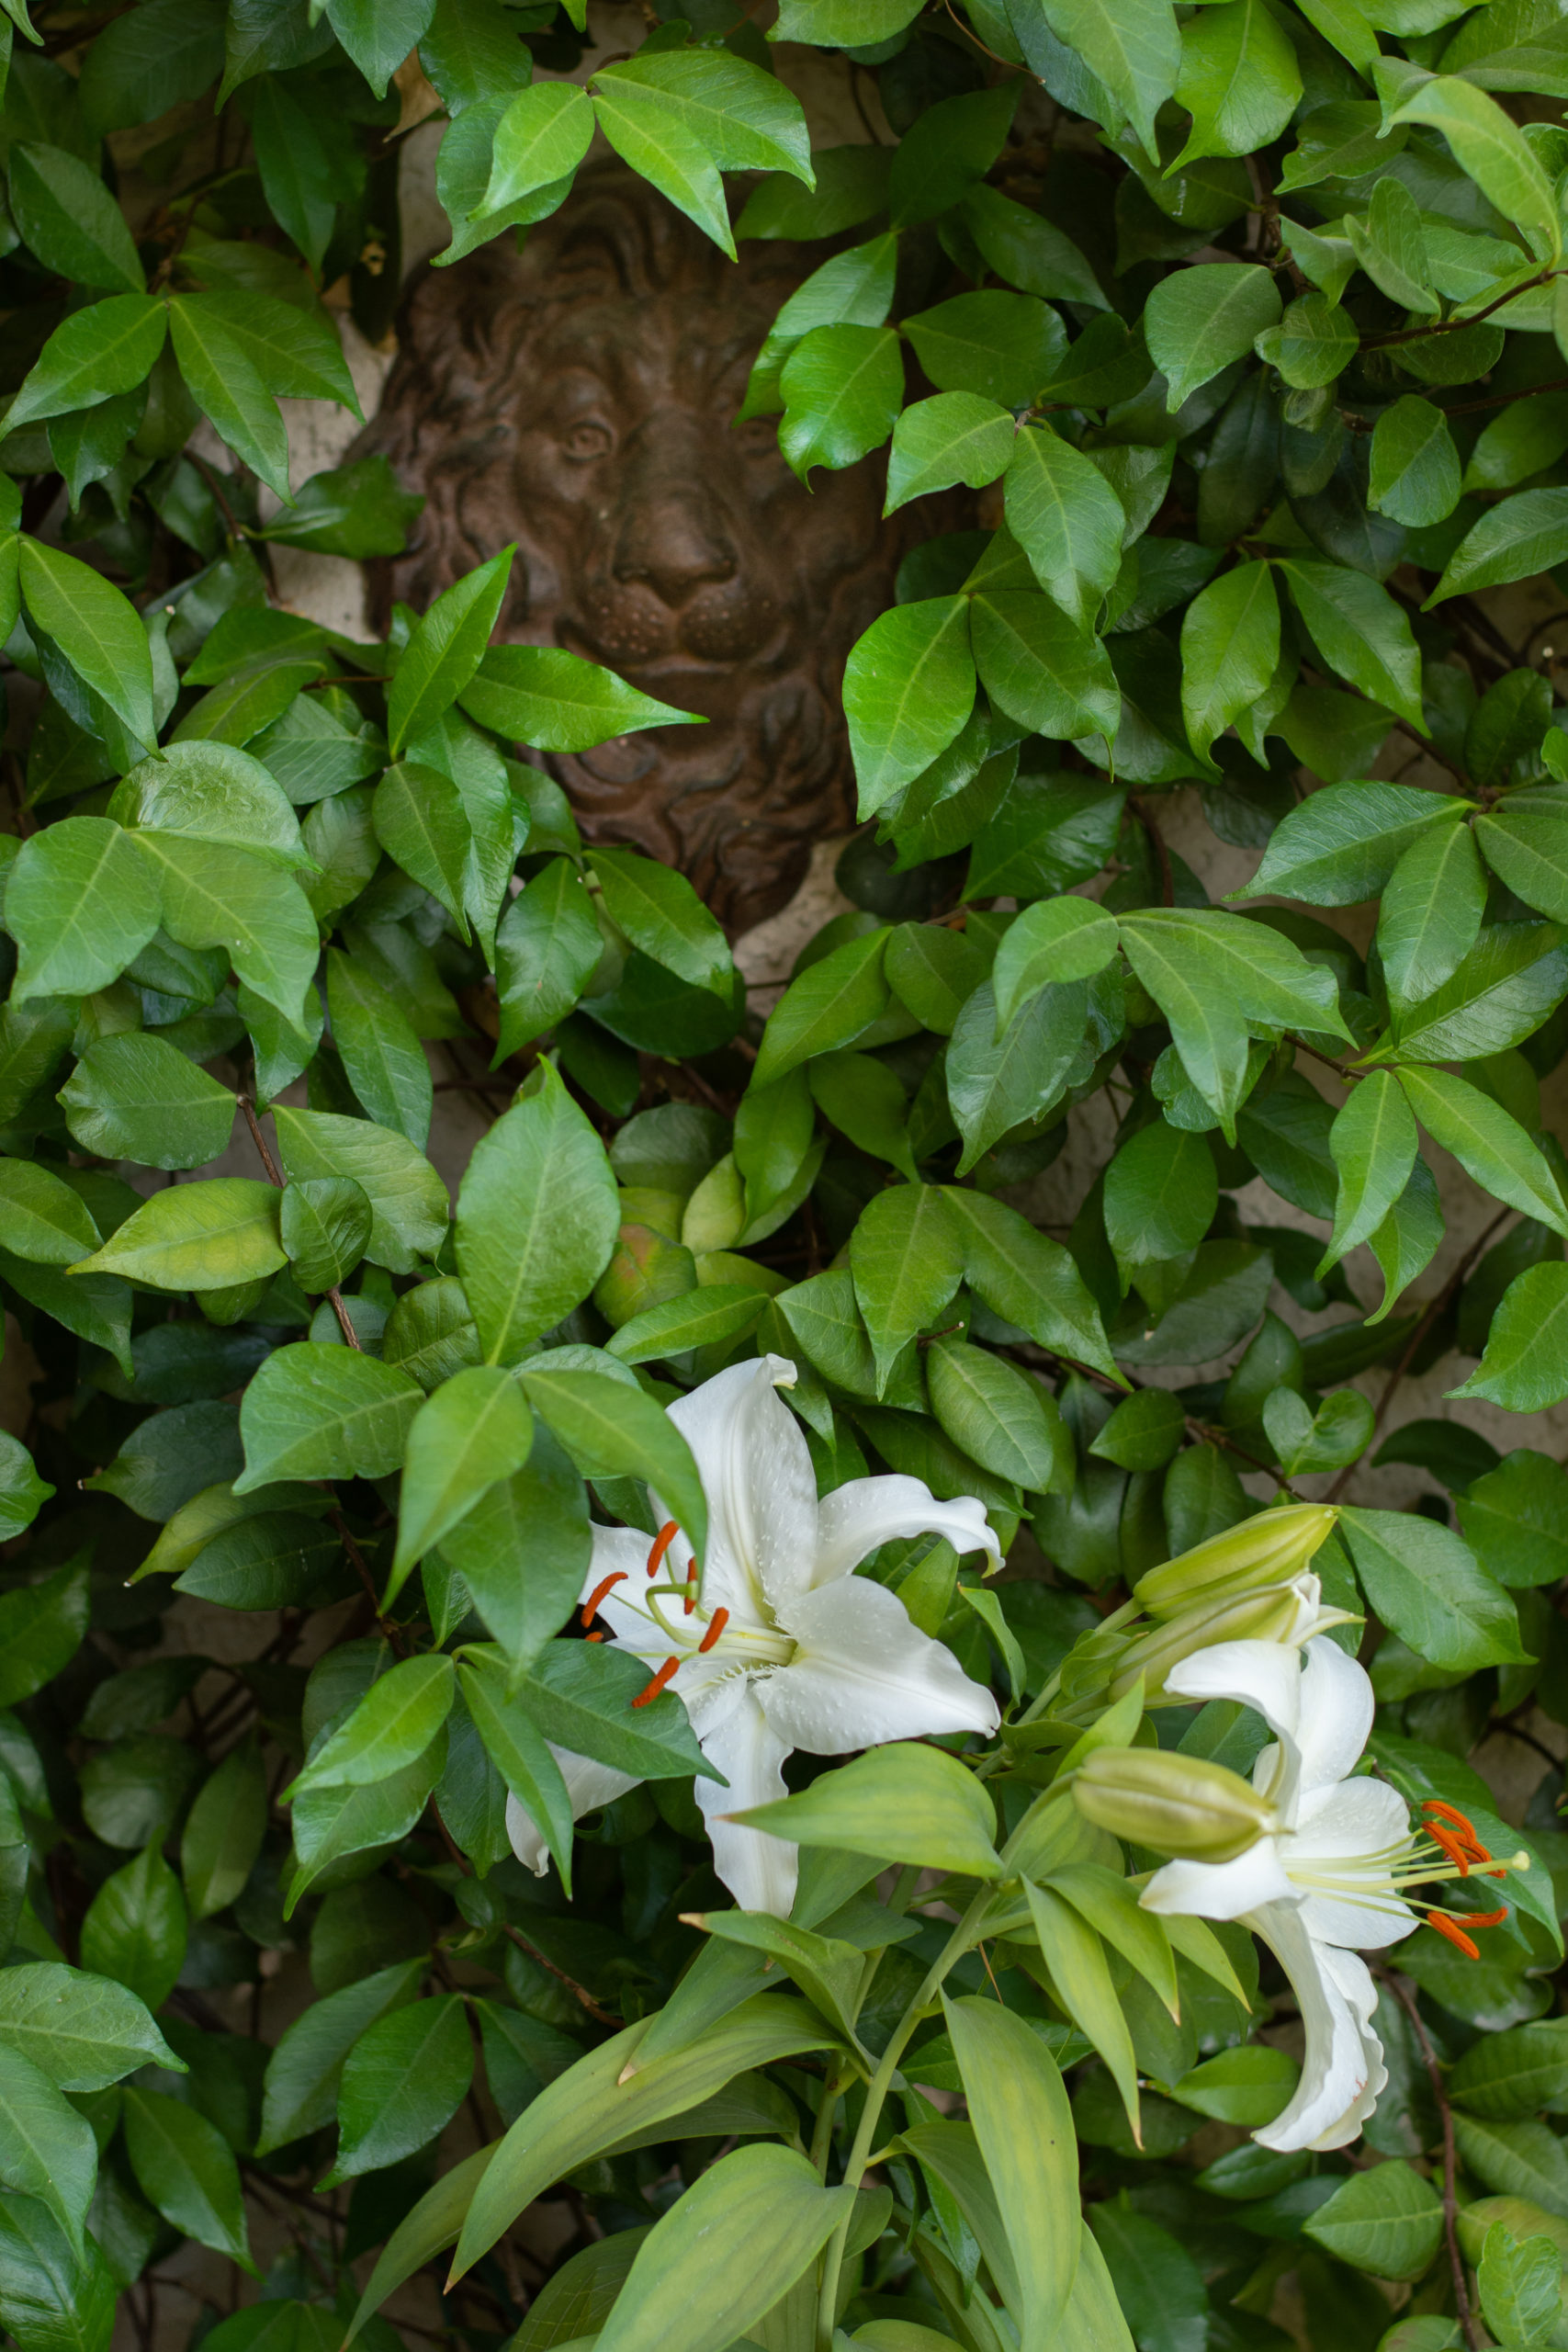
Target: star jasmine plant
(773,1642)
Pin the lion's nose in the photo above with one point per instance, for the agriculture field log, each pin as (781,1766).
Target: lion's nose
(674,548)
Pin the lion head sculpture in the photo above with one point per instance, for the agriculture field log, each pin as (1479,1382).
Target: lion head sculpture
(578,397)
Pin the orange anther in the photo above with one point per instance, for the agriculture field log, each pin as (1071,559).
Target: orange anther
(658,1683)
(1485,1918)
(590,1607)
(1456,1935)
(691,1588)
(720,1620)
(1452,1845)
(595,1637)
(661,1542)
(1450,1813)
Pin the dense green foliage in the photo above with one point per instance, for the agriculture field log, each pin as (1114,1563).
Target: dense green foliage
(1251,320)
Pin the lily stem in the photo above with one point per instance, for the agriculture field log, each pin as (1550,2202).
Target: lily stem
(871,2115)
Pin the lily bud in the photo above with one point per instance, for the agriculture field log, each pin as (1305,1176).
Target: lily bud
(1176,1804)
(1268,1550)
(1278,1612)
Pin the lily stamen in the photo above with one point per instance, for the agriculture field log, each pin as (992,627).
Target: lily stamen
(720,1620)
(661,1542)
(691,1588)
(669,1666)
(591,1606)
(1455,1934)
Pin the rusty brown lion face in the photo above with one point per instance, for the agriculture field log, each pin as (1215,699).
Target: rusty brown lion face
(578,397)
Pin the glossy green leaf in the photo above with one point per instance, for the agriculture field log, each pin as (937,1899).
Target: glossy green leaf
(538,1215)
(317,1411)
(136,1097)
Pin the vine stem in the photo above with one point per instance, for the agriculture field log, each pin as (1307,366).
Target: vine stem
(871,2114)
(1406,2000)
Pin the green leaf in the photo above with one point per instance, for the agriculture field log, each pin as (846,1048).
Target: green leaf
(903,1803)
(135,1930)
(1492,149)
(384,1059)
(607,2097)
(1042,669)
(227,387)
(1028,1279)
(1506,2075)
(555,701)
(739,115)
(1493,998)
(1001,1417)
(843,388)
(1230,647)
(1374,1143)
(954,437)
(547,948)
(321,1411)
(1388,2220)
(1067,519)
(1028,252)
(1520,535)
(616,1430)
(1524,1367)
(994,1085)
(713,1315)
(542,137)
(211,792)
(660,913)
(303,2073)
(207,1235)
(445,650)
(1002,345)
(1161,1192)
(184,2167)
(1489,1145)
(408,1200)
(82,2030)
(824,1007)
(44,1220)
(378,34)
(1133,46)
(70,220)
(223,1831)
(273,1559)
(1342,844)
(215,896)
(1054,940)
(1514,1518)
(359,510)
(538,1215)
(1360,632)
(393,1725)
(727,2253)
(1024,2126)
(1240,81)
(1525,840)
(136,1097)
(402,2082)
(423,825)
(52,2300)
(109,348)
(98,632)
(907,1260)
(1426,1584)
(1520,2286)
(1426,927)
(909,687)
(1196,321)
(47,2150)
(1416,469)
(474,1430)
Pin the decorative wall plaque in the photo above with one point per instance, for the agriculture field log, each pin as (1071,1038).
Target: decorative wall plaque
(576,397)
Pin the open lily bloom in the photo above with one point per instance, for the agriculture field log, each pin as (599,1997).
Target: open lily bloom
(1328,1877)
(785,1648)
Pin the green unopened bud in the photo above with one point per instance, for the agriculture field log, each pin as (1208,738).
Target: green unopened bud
(1277,1613)
(1174,1805)
(1268,1550)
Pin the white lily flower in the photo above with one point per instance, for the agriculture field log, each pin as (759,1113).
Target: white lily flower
(786,1647)
(1329,1878)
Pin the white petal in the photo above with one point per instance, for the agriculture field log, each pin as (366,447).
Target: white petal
(863,1673)
(1220,1890)
(759,1871)
(1336,1715)
(1342,2073)
(855,1518)
(617,1551)
(761,1490)
(587,1784)
(1265,1675)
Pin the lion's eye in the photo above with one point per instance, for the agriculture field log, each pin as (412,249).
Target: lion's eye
(587,440)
